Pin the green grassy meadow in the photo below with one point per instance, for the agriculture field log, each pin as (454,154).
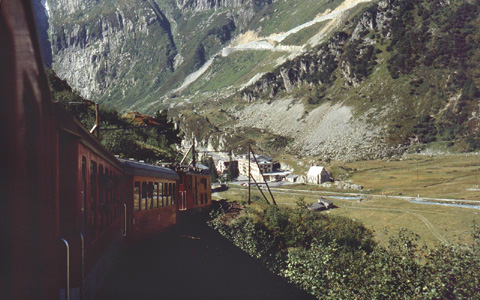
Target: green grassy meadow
(384,206)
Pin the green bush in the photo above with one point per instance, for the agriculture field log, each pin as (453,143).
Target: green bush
(336,258)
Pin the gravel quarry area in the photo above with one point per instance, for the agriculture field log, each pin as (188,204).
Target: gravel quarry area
(329,130)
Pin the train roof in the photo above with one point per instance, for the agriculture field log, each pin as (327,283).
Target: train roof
(67,123)
(136,168)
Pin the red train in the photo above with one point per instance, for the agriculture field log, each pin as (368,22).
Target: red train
(67,203)
(195,190)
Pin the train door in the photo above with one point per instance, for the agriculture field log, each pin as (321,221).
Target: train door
(71,166)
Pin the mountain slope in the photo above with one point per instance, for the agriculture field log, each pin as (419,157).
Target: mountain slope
(398,75)
(338,79)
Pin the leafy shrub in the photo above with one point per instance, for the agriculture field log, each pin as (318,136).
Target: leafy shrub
(336,258)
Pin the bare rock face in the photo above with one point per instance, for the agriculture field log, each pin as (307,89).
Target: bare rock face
(352,53)
(99,53)
(329,130)
(41,15)
(124,51)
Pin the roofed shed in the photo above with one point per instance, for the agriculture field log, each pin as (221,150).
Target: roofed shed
(317,175)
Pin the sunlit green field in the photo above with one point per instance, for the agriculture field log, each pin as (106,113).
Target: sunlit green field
(450,176)
(380,209)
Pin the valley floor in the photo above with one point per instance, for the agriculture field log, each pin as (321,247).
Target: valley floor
(434,196)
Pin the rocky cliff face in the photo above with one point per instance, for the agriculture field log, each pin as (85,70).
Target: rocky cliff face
(350,55)
(385,77)
(202,5)
(41,15)
(125,52)
(108,50)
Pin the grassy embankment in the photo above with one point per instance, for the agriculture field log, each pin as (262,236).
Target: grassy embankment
(448,176)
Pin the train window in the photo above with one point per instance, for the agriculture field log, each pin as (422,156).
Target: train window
(115,196)
(195,191)
(169,192)
(106,203)
(83,192)
(173,193)
(160,194)
(201,198)
(144,196)
(136,196)
(155,195)
(165,194)
(93,199)
(150,195)
(101,198)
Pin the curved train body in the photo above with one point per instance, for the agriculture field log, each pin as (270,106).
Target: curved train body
(152,193)
(67,203)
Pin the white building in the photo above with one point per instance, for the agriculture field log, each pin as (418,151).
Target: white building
(265,166)
(317,175)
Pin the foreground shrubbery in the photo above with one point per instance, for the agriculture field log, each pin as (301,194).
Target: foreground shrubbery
(336,258)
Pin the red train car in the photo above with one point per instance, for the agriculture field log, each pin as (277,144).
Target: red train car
(67,203)
(62,191)
(91,205)
(195,191)
(152,193)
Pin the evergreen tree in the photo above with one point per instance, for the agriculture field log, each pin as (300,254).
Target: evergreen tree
(208,161)
(232,172)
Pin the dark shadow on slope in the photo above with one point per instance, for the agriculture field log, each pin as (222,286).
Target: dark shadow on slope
(192,261)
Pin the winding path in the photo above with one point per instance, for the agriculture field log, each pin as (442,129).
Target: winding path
(263,43)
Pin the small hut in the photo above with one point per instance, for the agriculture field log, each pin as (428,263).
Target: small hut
(317,175)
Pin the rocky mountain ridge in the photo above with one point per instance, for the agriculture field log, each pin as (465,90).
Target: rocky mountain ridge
(368,80)
(402,73)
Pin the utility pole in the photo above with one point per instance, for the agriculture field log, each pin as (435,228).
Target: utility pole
(96,127)
(193,154)
(249,174)
(263,176)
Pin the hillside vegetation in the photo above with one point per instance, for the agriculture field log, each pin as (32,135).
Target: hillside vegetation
(130,136)
(333,257)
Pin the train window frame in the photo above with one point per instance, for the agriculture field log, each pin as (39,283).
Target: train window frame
(136,196)
(169,193)
(93,222)
(83,196)
(160,192)
(106,204)
(144,198)
(150,195)
(195,191)
(155,195)
(165,191)
(101,200)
